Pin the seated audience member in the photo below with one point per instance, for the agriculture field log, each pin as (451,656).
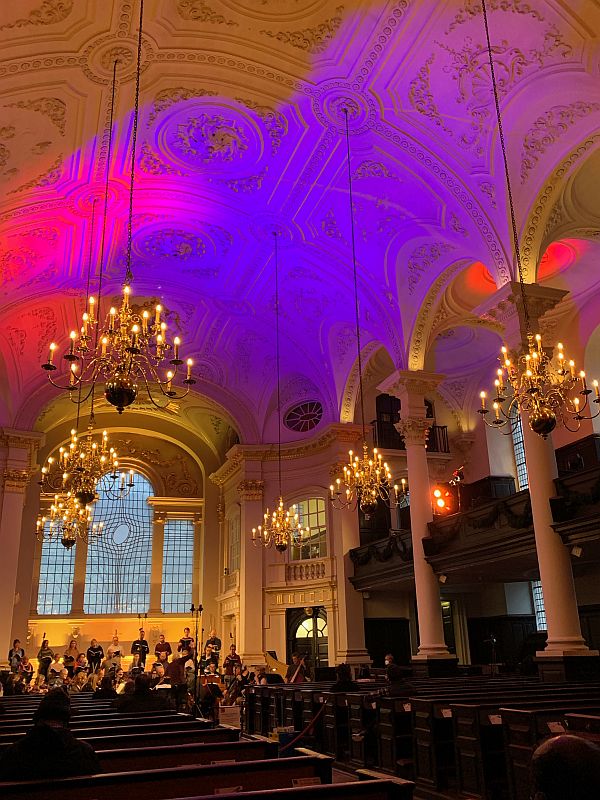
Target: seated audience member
(26,670)
(162,646)
(344,682)
(185,641)
(106,690)
(15,655)
(142,699)
(397,685)
(49,749)
(70,657)
(388,660)
(45,658)
(566,768)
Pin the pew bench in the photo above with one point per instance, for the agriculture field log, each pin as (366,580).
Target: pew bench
(170,755)
(384,789)
(181,782)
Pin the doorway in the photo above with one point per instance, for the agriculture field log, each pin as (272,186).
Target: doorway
(306,633)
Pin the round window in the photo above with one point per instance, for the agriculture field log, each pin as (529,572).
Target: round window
(304,417)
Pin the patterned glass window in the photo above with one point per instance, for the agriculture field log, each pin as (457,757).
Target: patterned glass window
(56,577)
(311,514)
(118,564)
(178,566)
(235,543)
(519,450)
(309,626)
(538,605)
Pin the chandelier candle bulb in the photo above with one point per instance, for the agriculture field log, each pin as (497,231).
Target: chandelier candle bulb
(596,389)
(73,337)
(483,395)
(583,383)
(51,352)
(189,369)
(145,317)
(126,293)
(157,317)
(111,319)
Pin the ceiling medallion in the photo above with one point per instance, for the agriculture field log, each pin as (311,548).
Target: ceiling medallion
(127,348)
(548,390)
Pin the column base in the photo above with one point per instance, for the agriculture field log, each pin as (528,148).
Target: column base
(553,668)
(443,666)
(353,657)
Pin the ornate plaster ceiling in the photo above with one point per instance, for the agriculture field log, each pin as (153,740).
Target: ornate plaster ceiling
(241,134)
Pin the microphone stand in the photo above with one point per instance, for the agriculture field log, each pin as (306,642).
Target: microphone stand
(196,611)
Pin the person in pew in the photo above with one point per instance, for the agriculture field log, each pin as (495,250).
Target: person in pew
(162,646)
(344,682)
(297,672)
(106,690)
(141,648)
(142,699)
(397,685)
(566,768)
(15,655)
(70,656)
(49,749)
(45,658)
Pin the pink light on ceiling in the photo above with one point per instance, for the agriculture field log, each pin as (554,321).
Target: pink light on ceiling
(559,256)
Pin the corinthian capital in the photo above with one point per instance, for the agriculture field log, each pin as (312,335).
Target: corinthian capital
(414,430)
(16,480)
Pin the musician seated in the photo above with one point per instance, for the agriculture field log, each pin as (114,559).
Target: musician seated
(142,699)
(297,672)
(158,678)
(208,658)
(211,669)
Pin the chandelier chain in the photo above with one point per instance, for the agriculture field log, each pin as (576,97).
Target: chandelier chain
(513,219)
(106,188)
(356,306)
(87,294)
(136,110)
(277,360)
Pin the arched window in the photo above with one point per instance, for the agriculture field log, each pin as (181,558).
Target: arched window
(56,577)
(119,562)
(311,514)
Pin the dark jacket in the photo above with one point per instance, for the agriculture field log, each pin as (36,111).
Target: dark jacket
(48,752)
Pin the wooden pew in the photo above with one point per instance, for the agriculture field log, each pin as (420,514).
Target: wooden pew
(583,723)
(142,738)
(362,721)
(180,782)
(524,729)
(168,755)
(363,790)
(394,735)
(102,720)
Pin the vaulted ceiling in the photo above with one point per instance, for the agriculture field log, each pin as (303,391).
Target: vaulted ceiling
(242,134)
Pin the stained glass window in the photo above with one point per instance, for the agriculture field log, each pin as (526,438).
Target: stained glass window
(56,577)
(119,562)
(178,566)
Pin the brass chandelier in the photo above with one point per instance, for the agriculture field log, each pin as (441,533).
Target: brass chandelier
(128,348)
(86,466)
(281,527)
(366,477)
(68,519)
(547,388)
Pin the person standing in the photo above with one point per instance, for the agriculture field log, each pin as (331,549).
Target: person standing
(232,659)
(162,646)
(140,647)
(185,642)
(70,657)
(114,653)
(15,655)
(45,658)
(95,654)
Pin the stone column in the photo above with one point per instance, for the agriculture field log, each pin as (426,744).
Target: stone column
(556,574)
(17,450)
(350,639)
(250,634)
(411,387)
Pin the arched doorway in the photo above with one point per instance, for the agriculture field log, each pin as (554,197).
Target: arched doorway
(307,634)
